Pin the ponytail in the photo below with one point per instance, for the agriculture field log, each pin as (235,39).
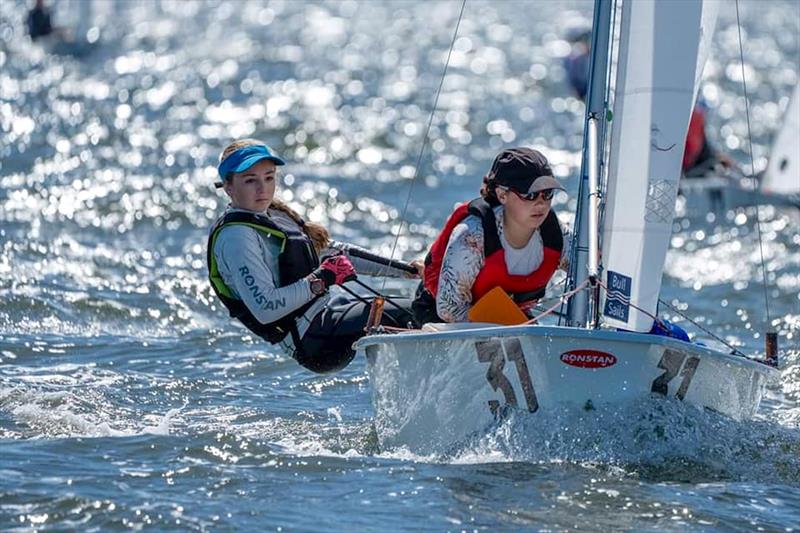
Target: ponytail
(489,191)
(319,235)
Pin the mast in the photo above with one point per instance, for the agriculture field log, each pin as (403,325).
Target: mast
(586,236)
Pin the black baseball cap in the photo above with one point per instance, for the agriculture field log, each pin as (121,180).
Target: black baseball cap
(524,170)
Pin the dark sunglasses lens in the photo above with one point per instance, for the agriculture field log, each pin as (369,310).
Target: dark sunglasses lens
(531,196)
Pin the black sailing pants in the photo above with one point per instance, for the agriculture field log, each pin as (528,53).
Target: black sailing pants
(327,345)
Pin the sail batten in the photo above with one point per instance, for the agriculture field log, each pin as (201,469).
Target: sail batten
(658,68)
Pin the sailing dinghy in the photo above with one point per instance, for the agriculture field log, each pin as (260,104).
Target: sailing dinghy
(433,388)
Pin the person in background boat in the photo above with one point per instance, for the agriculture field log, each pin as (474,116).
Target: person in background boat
(699,156)
(508,238)
(576,64)
(264,265)
(40,22)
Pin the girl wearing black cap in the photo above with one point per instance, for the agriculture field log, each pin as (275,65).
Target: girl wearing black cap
(508,238)
(264,266)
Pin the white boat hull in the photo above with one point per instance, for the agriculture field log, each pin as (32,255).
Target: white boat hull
(432,390)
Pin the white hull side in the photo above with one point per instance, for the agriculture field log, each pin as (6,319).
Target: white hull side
(433,390)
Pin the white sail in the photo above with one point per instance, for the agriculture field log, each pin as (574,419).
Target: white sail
(658,69)
(783,170)
(708,23)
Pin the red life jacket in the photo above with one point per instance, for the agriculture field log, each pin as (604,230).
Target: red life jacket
(495,272)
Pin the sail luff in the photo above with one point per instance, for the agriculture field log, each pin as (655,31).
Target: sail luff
(656,85)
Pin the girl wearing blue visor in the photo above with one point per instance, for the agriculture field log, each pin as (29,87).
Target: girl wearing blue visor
(264,265)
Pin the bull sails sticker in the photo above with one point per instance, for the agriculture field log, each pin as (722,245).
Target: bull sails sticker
(618,296)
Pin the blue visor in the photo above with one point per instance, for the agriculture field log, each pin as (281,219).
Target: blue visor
(246,157)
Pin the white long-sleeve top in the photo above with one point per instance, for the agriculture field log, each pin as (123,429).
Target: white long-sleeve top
(463,260)
(247,260)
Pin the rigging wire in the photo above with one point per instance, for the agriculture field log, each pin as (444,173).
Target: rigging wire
(752,166)
(717,338)
(424,143)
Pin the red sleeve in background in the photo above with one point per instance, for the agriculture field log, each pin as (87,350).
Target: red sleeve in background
(695,139)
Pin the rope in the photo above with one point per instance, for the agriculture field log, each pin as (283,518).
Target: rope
(753,167)
(424,142)
(561,300)
(355,295)
(377,294)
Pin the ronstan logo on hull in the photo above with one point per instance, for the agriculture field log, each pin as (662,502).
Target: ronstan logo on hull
(588,358)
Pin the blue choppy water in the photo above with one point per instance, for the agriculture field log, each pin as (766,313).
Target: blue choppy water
(129,400)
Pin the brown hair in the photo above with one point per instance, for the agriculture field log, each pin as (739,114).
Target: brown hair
(489,190)
(316,232)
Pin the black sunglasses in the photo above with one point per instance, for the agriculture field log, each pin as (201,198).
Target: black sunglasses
(546,194)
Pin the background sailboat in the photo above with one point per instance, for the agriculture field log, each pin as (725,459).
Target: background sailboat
(433,389)
(779,184)
(782,176)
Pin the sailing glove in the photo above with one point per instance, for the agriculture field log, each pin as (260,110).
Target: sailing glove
(336,270)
